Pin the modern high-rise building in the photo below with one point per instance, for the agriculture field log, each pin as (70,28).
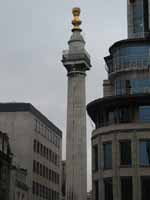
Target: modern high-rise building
(138,18)
(36,144)
(76,61)
(121,138)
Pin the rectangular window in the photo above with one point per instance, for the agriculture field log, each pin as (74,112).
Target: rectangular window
(38,167)
(126,188)
(34,146)
(40,190)
(96,187)
(145,153)
(144,114)
(95,157)
(41,171)
(35,126)
(107,155)
(33,187)
(125,153)
(145,188)
(37,189)
(1,144)
(108,189)
(38,147)
(5,146)
(34,166)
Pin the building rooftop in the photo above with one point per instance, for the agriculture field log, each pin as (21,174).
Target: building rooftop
(27,107)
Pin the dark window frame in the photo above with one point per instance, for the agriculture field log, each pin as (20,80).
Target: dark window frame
(143,165)
(108,193)
(105,166)
(123,163)
(124,188)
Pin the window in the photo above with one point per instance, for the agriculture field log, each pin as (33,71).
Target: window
(37,189)
(125,153)
(41,149)
(35,128)
(41,171)
(38,147)
(108,189)
(138,18)
(107,155)
(95,157)
(134,86)
(96,187)
(23,196)
(18,195)
(34,166)
(145,153)
(5,145)
(145,188)
(1,144)
(33,187)
(34,146)
(120,87)
(144,113)
(123,115)
(126,188)
(38,168)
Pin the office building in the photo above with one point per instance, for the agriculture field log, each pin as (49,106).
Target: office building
(37,147)
(121,139)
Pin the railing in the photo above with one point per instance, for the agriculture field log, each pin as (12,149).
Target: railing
(67,56)
(127,63)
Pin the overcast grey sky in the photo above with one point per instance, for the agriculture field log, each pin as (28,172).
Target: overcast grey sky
(33,34)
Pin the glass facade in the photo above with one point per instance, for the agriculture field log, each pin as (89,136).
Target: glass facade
(145,153)
(123,87)
(138,18)
(107,155)
(144,114)
(129,56)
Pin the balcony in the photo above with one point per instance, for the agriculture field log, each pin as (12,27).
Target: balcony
(82,56)
(126,63)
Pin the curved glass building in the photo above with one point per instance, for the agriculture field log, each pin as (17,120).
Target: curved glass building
(121,138)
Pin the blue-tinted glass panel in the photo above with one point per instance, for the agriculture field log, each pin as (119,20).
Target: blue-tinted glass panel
(120,87)
(108,156)
(132,86)
(138,18)
(145,153)
(144,114)
(137,55)
(140,86)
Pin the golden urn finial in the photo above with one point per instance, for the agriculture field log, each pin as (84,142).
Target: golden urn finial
(76,21)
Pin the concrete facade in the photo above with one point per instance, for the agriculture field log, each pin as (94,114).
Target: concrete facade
(76,60)
(37,146)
